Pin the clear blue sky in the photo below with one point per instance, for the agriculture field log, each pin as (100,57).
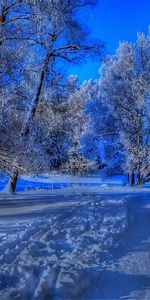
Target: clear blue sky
(113,21)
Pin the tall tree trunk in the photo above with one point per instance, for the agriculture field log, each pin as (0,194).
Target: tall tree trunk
(139,178)
(128,179)
(132,178)
(2,21)
(14,178)
(11,185)
(35,101)
(140,143)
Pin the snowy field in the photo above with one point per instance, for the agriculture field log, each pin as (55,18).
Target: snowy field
(83,246)
(58,181)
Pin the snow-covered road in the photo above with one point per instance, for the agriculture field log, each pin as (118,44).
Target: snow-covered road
(128,275)
(75,247)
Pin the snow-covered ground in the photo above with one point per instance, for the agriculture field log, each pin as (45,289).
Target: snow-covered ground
(59,181)
(55,181)
(75,246)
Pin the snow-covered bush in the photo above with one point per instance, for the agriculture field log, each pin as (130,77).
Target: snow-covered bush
(124,84)
(78,165)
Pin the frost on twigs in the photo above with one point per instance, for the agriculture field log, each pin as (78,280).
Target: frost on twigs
(40,110)
(77,164)
(124,86)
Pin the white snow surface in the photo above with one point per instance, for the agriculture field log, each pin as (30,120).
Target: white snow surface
(83,245)
(55,180)
(64,178)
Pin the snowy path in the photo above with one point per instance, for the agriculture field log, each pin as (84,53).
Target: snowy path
(128,276)
(75,248)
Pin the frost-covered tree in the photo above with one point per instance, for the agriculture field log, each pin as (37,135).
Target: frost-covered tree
(78,164)
(62,120)
(77,123)
(125,81)
(36,38)
(100,141)
(53,31)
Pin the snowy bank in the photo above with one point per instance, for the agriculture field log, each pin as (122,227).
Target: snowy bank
(59,251)
(59,181)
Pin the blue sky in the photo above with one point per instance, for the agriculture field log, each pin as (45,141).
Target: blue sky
(113,21)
